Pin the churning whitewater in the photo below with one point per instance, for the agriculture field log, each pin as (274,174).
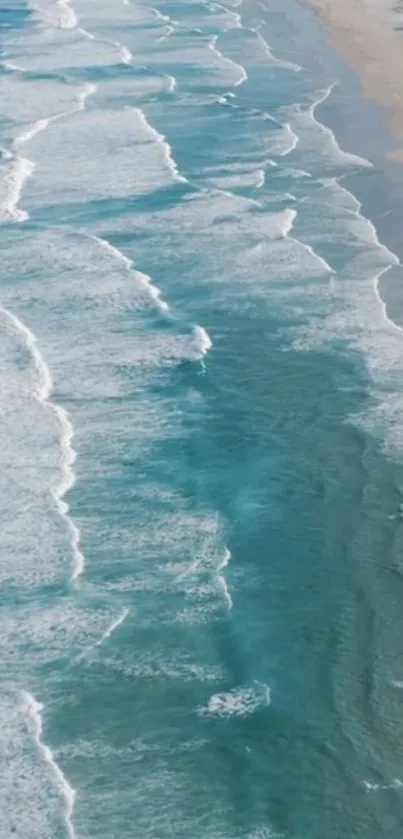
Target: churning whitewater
(200,432)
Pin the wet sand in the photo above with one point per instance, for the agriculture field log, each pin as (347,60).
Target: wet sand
(369,36)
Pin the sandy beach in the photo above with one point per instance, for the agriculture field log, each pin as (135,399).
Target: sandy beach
(369,36)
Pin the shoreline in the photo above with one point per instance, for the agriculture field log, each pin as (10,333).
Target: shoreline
(369,39)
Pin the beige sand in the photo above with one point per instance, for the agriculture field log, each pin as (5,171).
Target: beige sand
(363,32)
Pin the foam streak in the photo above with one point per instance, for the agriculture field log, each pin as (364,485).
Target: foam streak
(33,710)
(113,626)
(277,62)
(221,578)
(11,185)
(126,56)
(43,391)
(141,278)
(21,168)
(161,140)
(348,157)
(43,124)
(243,74)
(60,16)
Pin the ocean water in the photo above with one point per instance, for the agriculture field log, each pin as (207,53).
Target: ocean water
(201,430)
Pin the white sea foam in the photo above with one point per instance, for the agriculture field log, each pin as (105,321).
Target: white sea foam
(87,145)
(202,341)
(394,784)
(43,391)
(226,19)
(140,278)
(239,702)
(292,139)
(10,65)
(68,795)
(241,179)
(12,179)
(320,138)
(57,13)
(106,634)
(88,90)
(202,577)
(169,30)
(19,169)
(30,132)
(241,70)
(172,83)
(357,310)
(31,106)
(113,626)
(222,583)
(235,20)
(289,217)
(159,15)
(277,62)
(161,140)
(126,56)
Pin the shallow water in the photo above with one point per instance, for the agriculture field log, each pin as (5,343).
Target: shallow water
(201,432)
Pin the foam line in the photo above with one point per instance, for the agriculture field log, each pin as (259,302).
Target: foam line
(236,17)
(113,626)
(11,186)
(68,17)
(221,578)
(251,201)
(9,65)
(294,140)
(322,97)
(33,710)
(61,16)
(143,279)
(89,90)
(168,31)
(382,303)
(356,212)
(159,14)
(42,124)
(161,140)
(172,83)
(202,340)
(21,168)
(243,74)
(126,56)
(43,391)
(278,62)
(35,128)
(394,784)
(108,632)
(289,218)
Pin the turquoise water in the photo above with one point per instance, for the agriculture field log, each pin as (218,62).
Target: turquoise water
(201,430)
